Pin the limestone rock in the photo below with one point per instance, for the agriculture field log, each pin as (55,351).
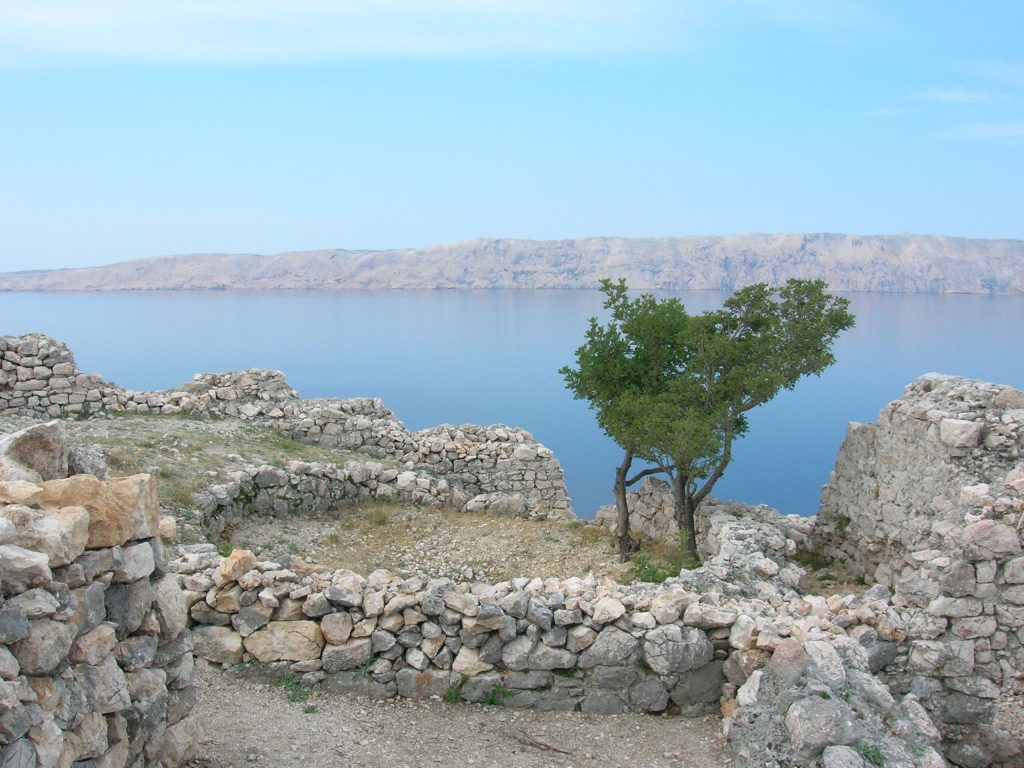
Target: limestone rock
(989,540)
(286,640)
(45,648)
(22,569)
(61,534)
(235,565)
(120,509)
(349,655)
(606,610)
(815,723)
(612,647)
(20,492)
(221,645)
(670,649)
(36,453)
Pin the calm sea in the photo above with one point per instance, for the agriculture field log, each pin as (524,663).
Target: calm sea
(492,357)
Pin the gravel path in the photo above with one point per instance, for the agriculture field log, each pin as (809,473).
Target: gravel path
(252,724)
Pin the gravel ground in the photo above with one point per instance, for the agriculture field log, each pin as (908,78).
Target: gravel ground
(434,543)
(253,724)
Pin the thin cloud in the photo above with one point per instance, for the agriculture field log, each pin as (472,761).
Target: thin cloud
(248,31)
(990,130)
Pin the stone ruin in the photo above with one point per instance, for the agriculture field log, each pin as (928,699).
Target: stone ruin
(96,665)
(482,468)
(927,504)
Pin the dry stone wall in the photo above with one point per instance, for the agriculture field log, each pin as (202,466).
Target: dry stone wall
(500,469)
(930,501)
(96,664)
(315,488)
(699,643)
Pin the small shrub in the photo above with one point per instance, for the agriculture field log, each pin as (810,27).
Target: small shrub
(842,523)
(454,692)
(225,548)
(813,561)
(294,691)
(871,754)
(665,562)
(644,569)
(497,695)
(378,517)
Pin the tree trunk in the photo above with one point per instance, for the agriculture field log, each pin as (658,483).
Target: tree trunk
(627,545)
(684,514)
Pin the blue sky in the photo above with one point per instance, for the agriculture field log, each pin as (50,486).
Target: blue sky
(134,129)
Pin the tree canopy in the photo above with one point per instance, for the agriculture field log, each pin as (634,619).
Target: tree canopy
(673,388)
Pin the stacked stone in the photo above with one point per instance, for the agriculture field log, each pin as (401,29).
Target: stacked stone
(502,469)
(498,469)
(544,644)
(719,525)
(963,609)
(894,480)
(357,424)
(929,501)
(314,488)
(95,657)
(816,703)
(38,375)
(252,394)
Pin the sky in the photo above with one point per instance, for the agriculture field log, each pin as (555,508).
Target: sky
(132,129)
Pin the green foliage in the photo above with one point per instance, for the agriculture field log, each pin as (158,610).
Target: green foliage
(644,569)
(225,548)
(842,523)
(814,561)
(674,389)
(664,562)
(293,689)
(454,692)
(871,754)
(497,695)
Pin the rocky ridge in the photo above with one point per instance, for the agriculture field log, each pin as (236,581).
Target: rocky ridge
(889,263)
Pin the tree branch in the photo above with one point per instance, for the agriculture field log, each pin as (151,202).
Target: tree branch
(645,473)
(700,495)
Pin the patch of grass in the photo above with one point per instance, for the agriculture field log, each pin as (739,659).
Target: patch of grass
(454,692)
(293,689)
(592,534)
(663,561)
(814,561)
(842,523)
(309,709)
(225,548)
(647,570)
(871,754)
(497,695)
(378,517)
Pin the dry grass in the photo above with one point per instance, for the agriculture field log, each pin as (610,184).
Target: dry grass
(428,541)
(187,455)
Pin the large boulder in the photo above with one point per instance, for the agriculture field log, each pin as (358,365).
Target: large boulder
(122,509)
(36,453)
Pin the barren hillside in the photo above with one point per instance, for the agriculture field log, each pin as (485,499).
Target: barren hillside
(889,263)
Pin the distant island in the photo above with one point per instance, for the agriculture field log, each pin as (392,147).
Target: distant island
(881,263)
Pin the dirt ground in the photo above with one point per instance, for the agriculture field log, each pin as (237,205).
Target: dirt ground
(253,724)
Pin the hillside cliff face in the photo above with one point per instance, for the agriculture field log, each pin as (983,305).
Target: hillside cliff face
(889,263)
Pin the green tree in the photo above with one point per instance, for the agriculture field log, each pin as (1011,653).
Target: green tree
(673,389)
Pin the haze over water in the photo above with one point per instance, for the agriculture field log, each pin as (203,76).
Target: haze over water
(493,356)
